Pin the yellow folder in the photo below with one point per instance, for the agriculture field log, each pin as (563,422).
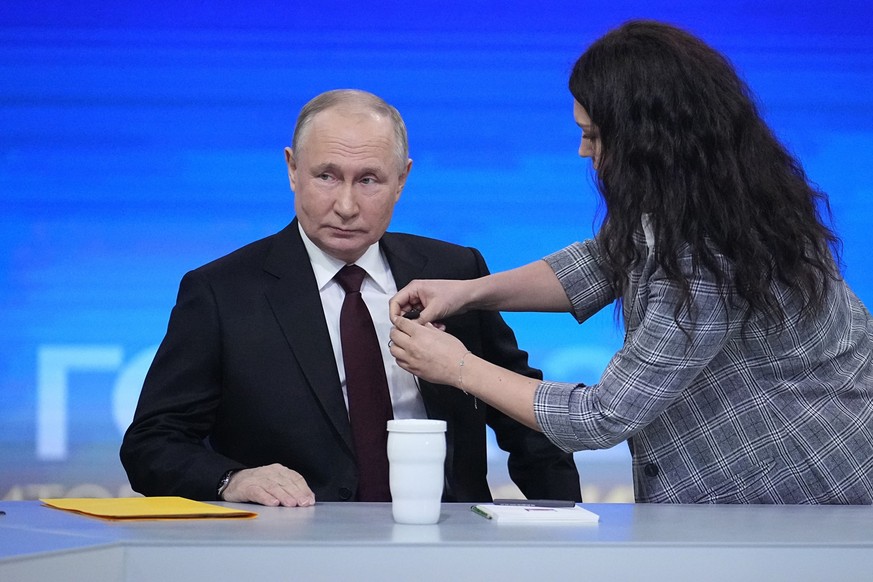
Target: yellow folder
(145,508)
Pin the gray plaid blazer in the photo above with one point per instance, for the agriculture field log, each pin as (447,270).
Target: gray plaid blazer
(725,417)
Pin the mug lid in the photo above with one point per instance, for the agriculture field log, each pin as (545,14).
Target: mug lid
(416,425)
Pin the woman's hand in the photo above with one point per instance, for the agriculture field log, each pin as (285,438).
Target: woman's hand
(433,299)
(436,356)
(427,352)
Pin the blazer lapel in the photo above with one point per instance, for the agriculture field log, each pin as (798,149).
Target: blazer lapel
(405,262)
(294,299)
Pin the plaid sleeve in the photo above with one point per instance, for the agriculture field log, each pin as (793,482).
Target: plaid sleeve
(559,418)
(579,269)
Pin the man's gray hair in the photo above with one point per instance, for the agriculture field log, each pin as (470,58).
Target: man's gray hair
(353,98)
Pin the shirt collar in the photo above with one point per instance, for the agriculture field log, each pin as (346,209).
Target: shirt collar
(325,267)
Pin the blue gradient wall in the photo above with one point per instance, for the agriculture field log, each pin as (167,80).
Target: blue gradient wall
(138,142)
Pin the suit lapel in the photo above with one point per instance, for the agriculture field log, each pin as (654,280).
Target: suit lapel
(405,262)
(294,299)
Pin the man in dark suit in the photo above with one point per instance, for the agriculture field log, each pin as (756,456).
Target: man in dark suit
(246,399)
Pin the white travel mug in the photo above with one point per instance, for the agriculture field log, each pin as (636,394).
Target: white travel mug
(416,455)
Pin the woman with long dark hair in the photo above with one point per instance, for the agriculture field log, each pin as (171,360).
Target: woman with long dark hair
(746,375)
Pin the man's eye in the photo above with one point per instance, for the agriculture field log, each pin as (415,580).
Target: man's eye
(368,180)
(324,177)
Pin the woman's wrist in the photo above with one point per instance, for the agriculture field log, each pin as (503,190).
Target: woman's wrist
(477,294)
(461,363)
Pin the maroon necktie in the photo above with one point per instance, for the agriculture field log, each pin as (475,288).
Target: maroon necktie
(367,388)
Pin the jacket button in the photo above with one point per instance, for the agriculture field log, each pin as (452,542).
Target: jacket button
(345,494)
(651,470)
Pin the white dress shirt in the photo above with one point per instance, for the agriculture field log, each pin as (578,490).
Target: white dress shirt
(378,287)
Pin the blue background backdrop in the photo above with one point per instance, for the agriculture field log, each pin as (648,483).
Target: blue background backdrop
(140,141)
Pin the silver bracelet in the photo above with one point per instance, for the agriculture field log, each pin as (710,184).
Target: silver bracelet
(461,378)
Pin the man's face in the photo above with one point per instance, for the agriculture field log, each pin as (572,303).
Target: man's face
(346,180)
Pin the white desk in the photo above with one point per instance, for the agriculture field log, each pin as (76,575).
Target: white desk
(348,541)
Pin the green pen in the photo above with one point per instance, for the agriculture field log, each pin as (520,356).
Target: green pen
(478,511)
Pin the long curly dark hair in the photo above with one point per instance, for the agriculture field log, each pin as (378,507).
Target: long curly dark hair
(683,142)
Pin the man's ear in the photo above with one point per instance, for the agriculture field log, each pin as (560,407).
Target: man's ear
(291,162)
(403,178)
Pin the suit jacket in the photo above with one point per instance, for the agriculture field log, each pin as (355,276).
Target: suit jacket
(246,377)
